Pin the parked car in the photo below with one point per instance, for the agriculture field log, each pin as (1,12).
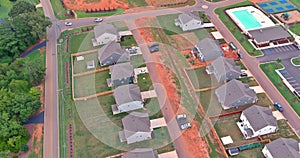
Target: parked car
(244,73)
(143,71)
(185,126)
(98,20)
(68,24)
(181,116)
(278,107)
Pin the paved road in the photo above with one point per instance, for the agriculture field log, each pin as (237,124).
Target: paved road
(51,143)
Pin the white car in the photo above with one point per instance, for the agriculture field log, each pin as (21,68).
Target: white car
(244,73)
(68,24)
(181,116)
(185,126)
(98,20)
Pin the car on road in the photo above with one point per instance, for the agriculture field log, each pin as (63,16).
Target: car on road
(278,107)
(98,20)
(68,24)
(185,126)
(181,116)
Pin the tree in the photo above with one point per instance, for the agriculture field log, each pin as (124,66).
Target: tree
(18,86)
(35,92)
(23,147)
(34,71)
(21,7)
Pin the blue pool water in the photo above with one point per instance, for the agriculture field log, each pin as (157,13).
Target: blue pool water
(247,19)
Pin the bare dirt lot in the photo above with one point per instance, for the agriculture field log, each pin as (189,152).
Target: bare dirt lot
(103,4)
(164,2)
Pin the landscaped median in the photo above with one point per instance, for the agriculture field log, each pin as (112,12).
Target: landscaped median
(235,30)
(269,70)
(296,61)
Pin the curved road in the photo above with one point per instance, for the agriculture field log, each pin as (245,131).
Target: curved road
(51,120)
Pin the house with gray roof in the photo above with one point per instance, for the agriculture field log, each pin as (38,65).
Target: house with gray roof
(282,148)
(207,49)
(256,121)
(234,94)
(105,33)
(136,128)
(188,22)
(128,97)
(273,34)
(122,73)
(112,53)
(224,69)
(141,153)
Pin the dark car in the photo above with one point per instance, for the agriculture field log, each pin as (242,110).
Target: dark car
(278,107)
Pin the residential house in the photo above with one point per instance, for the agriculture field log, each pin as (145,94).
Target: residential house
(207,49)
(105,33)
(122,73)
(234,94)
(256,121)
(224,69)
(269,36)
(128,97)
(141,153)
(136,128)
(282,148)
(188,22)
(112,53)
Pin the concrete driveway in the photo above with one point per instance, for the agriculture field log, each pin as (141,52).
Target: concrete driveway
(257,89)
(148,94)
(171,154)
(155,123)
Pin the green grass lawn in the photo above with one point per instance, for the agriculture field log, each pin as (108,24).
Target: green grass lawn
(4,8)
(202,33)
(234,29)
(84,86)
(39,53)
(137,3)
(83,14)
(144,82)
(296,3)
(269,70)
(128,41)
(80,66)
(201,79)
(249,80)
(168,24)
(240,63)
(137,61)
(120,25)
(82,42)
(295,28)
(296,61)
(58,9)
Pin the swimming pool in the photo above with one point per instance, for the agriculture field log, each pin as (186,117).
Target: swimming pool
(247,19)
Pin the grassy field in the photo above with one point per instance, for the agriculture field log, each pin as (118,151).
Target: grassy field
(201,79)
(296,61)
(167,24)
(295,28)
(83,85)
(128,41)
(269,70)
(137,3)
(137,61)
(82,42)
(80,66)
(144,82)
(39,53)
(296,3)
(83,14)
(4,8)
(120,25)
(58,9)
(202,33)
(234,29)
(249,80)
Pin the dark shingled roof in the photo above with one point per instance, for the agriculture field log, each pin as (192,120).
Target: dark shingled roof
(260,117)
(141,153)
(209,48)
(284,148)
(269,33)
(224,65)
(127,93)
(136,122)
(112,53)
(121,70)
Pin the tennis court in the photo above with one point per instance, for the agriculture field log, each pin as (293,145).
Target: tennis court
(276,6)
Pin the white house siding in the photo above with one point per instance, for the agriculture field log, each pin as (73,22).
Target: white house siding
(266,152)
(191,25)
(138,137)
(106,38)
(130,106)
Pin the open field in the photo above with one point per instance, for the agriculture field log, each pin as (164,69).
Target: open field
(120,25)
(90,84)
(82,42)
(296,61)
(80,66)
(201,79)
(144,82)
(296,3)
(39,53)
(4,8)
(295,28)
(235,30)
(137,61)
(269,70)
(58,9)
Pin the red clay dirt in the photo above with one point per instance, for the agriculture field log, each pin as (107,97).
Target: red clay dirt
(192,142)
(164,2)
(102,4)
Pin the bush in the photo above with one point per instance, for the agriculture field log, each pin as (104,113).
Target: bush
(23,147)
